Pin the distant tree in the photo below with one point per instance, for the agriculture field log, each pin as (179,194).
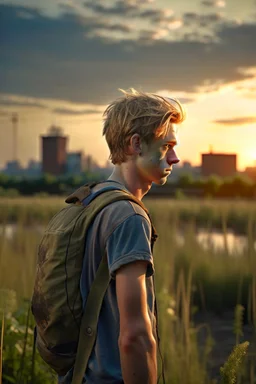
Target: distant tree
(212,185)
(185,180)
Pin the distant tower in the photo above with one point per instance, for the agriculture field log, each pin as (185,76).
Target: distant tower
(15,135)
(219,164)
(54,151)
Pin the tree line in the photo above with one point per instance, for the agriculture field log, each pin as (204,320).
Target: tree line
(185,185)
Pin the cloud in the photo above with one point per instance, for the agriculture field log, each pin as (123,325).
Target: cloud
(68,8)
(25,14)
(131,10)
(182,97)
(108,32)
(120,8)
(147,37)
(67,111)
(53,58)
(156,15)
(237,121)
(203,20)
(186,100)
(146,1)
(214,3)
(13,103)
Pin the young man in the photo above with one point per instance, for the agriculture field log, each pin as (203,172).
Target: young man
(140,131)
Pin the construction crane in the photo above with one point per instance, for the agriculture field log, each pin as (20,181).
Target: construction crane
(15,135)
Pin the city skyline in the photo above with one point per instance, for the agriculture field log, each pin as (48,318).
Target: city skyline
(62,64)
(57,132)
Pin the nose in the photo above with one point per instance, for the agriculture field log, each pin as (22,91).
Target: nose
(172,157)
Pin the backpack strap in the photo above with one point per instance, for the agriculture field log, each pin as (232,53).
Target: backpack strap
(84,195)
(80,194)
(89,321)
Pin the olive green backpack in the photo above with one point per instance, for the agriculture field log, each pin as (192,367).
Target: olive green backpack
(65,335)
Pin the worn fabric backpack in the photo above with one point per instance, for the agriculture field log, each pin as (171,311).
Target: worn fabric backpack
(65,334)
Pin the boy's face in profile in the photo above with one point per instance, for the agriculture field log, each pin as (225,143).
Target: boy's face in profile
(157,158)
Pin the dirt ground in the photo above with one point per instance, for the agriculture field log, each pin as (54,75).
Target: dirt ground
(224,340)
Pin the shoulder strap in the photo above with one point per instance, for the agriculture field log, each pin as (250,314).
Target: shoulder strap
(89,322)
(84,194)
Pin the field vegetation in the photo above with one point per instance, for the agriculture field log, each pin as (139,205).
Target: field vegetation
(191,281)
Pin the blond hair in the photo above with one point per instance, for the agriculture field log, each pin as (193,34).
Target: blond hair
(147,114)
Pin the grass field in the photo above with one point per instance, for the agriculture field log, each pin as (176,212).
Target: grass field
(189,278)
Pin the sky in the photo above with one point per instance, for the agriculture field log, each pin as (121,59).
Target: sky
(62,62)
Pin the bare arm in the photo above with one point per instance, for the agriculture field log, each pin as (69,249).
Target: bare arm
(137,344)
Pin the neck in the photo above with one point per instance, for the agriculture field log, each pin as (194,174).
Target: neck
(127,174)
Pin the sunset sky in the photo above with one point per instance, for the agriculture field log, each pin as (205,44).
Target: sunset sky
(62,62)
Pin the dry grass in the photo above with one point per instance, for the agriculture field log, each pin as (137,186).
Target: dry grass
(186,275)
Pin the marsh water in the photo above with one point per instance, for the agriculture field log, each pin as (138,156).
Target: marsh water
(233,243)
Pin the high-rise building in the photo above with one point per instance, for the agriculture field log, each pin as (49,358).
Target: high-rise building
(54,151)
(220,164)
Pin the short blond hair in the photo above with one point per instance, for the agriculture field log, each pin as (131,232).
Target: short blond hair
(147,114)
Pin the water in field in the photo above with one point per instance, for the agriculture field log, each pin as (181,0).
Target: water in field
(9,230)
(235,244)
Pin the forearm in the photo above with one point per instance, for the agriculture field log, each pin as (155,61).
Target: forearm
(138,359)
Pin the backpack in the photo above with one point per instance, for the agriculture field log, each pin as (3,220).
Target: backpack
(65,334)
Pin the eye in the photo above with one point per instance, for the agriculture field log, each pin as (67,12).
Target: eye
(167,146)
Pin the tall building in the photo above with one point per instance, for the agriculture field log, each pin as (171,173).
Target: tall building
(220,164)
(54,151)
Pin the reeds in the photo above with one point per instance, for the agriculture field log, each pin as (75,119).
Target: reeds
(189,278)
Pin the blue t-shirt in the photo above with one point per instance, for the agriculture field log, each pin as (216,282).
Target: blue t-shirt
(122,230)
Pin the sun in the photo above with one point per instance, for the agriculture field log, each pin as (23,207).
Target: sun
(253,154)
(251,157)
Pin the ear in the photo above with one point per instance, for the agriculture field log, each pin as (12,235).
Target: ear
(135,143)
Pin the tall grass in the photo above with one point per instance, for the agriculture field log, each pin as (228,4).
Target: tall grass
(189,278)
(237,213)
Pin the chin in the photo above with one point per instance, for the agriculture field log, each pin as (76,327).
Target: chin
(161,181)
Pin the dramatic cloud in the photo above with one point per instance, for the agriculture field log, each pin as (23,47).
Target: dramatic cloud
(105,31)
(237,121)
(12,103)
(156,15)
(186,100)
(28,14)
(202,20)
(120,8)
(66,111)
(46,57)
(65,7)
(131,10)
(214,3)
(147,37)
